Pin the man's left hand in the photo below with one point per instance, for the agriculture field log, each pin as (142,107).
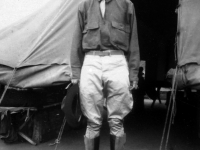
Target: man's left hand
(133,85)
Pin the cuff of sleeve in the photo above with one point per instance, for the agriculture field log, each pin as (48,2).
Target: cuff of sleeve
(76,73)
(133,76)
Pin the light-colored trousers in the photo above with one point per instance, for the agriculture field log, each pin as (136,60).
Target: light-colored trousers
(105,78)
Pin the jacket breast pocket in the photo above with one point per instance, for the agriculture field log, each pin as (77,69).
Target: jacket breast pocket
(91,35)
(120,34)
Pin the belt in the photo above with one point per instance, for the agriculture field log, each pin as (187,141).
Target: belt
(105,53)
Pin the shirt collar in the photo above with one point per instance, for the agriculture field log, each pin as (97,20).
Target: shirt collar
(105,0)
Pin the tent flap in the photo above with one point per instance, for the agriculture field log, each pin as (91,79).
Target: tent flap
(36,76)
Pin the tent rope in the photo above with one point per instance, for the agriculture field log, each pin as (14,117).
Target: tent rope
(172,102)
(7,85)
(171,111)
(57,141)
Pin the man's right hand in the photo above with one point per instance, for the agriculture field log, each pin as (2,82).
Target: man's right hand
(75,81)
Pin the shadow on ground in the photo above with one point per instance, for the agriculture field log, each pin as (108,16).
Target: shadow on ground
(143,128)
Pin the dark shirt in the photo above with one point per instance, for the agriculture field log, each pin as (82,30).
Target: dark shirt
(117,30)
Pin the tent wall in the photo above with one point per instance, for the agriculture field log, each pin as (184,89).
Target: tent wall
(189,29)
(38,45)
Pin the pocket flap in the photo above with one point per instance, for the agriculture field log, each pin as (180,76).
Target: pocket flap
(120,26)
(93,25)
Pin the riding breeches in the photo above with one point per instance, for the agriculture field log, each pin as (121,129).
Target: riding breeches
(105,82)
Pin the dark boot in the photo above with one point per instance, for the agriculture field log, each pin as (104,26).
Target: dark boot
(117,143)
(91,144)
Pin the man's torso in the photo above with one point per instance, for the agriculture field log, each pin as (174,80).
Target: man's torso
(109,32)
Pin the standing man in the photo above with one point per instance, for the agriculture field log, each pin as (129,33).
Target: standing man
(105,57)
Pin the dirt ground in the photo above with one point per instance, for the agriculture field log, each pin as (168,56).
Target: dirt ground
(143,128)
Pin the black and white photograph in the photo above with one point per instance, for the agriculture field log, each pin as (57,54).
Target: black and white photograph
(99,74)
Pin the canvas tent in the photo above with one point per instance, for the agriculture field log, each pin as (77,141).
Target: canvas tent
(189,39)
(188,47)
(35,40)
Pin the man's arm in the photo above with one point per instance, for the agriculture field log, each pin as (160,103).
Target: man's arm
(134,55)
(77,55)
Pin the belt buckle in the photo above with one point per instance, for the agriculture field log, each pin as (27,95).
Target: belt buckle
(106,53)
(109,52)
(101,53)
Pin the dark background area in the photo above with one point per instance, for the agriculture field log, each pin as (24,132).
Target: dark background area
(157,26)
